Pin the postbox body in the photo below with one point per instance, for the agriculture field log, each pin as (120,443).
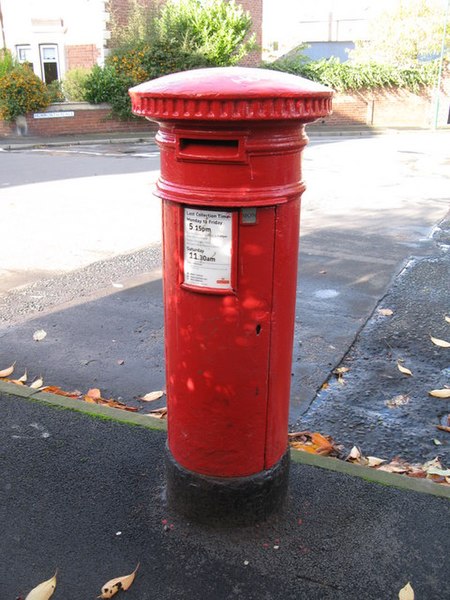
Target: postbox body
(231,142)
(230,260)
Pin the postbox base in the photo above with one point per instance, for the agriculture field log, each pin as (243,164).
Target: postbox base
(226,501)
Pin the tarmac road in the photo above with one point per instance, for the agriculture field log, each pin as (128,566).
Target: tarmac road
(83,258)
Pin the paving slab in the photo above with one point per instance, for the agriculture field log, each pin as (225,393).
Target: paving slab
(86,495)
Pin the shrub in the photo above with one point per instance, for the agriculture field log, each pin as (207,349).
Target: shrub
(352,76)
(7,62)
(106,84)
(21,91)
(151,61)
(54,91)
(74,84)
(215,29)
(102,83)
(184,35)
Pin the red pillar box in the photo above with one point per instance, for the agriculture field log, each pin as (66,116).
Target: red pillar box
(231,142)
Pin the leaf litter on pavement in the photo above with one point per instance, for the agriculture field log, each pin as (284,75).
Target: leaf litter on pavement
(45,590)
(92,396)
(324,445)
(317,443)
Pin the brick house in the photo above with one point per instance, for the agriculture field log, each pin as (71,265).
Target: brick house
(55,36)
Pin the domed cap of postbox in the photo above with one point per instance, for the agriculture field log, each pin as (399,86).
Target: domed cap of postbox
(231,94)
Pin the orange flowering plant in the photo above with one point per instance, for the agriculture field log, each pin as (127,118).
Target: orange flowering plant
(21,91)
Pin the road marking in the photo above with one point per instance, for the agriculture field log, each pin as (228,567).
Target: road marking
(96,153)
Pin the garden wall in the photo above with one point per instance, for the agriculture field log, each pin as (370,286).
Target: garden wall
(389,109)
(67,118)
(382,109)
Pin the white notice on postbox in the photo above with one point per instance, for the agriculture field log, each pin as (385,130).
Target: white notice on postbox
(207,248)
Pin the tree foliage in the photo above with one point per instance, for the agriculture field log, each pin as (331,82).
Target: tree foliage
(408,31)
(183,35)
(215,29)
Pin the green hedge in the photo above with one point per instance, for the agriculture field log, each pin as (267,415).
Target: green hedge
(350,77)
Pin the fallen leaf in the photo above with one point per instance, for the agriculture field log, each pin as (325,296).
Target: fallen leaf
(400,400)
(39,335)
(38,383)
(54,389)
(151,396)
(440,472)
(437,442)
(116,404)
(416,474)
(24,378)
(373,461)
(440,343)
(432,464)
(314,443)
(403,369)
(444,393)
(119,583)
(406,593)
(159,413)
(385,312)
(94,397)
(355,454)
(341,370)
(443,428)
(44,590)
(120,362)
(89,399)
(447,319)
(394,467)
(7,372)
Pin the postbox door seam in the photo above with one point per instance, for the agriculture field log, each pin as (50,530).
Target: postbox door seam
(271,325)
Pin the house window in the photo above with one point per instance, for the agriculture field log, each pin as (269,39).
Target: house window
(49,62)
(23,53)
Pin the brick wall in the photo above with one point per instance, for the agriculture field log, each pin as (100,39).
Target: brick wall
(399,108)
(81,56)
(348,110)
(393,109)
(86,119)
(120,9)
(255,8)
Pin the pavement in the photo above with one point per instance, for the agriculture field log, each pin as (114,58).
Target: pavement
(83,492)
(83,485)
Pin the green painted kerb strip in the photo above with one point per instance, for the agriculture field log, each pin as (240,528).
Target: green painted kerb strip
(94,410)
(331,464)
(373,475)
